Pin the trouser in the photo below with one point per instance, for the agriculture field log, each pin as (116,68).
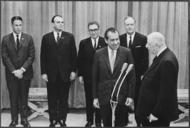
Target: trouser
(18,94)
(90,110)
(58,92)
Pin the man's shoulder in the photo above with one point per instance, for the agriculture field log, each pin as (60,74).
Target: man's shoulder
(86,40)
(6,37)
(122,35)
(67,33)
(140,35)
(101,51)
(26,35)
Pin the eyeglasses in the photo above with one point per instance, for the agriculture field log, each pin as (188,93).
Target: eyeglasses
(93,30)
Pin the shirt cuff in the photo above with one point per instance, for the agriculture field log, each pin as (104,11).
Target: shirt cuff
(23,69)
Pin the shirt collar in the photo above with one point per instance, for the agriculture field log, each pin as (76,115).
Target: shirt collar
(15,37)
(132,36)
(96,39)
(161,50)
(55,34)
(110,50)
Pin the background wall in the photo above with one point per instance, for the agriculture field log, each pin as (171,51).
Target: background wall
(169,18)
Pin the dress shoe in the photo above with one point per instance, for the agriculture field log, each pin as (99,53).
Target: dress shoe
(13,124)
(62,123)
(88,124)
(25,123)
(98,125)
(53,123)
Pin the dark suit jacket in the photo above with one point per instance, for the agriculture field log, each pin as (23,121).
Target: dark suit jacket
(158,93)
(104,80)
(85,57)
(139,52)
(15,59)
(58,57)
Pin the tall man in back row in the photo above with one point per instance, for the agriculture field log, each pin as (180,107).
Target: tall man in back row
(58,67)
(87,48)
(136,42)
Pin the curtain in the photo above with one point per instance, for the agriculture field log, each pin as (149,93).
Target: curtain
(169,18)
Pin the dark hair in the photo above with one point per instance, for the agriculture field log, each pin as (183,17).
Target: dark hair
(16,18)
(52,20)
(93,22)
(111,29)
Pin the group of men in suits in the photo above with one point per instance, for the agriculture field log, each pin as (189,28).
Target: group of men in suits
(153,90)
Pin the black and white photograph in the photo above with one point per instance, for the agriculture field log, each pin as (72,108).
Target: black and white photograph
(94,63)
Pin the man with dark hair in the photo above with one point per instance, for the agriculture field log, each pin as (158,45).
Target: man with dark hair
(86,52)
(107,65)
(157,105)
(136,42)
(18,55)
(58,67)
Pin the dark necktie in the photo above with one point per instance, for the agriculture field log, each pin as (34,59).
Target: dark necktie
(94,44)
(130,42)
(17,41)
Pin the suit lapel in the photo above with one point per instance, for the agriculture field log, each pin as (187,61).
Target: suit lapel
(22,40)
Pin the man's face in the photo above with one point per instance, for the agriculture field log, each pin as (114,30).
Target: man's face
(93,31)
(17,26)
(113,40)
(129,26)
(58,23)
(151,46)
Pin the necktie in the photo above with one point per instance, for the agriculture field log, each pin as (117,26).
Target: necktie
(58,37)
(94,44)
(130,42)
(17,41)
(112,60)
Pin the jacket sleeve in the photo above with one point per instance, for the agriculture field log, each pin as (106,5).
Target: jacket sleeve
(43,58)
(31,55)
(95,76)
(73,53)
(132,77)
(5,57)
(80,59)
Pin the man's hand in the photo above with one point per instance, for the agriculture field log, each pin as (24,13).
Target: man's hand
(152,118)
(72,76)
(96,103)
(81,80)
(129,101)
(45,77)
(18,73)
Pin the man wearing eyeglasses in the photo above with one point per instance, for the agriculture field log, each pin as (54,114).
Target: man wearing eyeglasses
(58,66)
(87,49)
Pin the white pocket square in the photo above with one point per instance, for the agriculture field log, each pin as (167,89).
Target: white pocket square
(138,46)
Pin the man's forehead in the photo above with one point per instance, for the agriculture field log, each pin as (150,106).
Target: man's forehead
(129,20)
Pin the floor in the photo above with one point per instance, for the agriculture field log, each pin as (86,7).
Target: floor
(75,118)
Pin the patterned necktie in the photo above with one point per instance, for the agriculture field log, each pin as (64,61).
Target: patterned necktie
(112,60)
(130,42)
(17,41)
(58,37)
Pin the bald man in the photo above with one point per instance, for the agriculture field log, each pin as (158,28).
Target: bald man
(157,104)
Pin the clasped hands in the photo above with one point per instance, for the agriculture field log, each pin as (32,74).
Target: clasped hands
(18,73)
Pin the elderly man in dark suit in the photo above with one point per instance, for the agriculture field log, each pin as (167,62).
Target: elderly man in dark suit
(157,104)
(18,55)
(58,67)
(136,42)
(86,52)
(107,65)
